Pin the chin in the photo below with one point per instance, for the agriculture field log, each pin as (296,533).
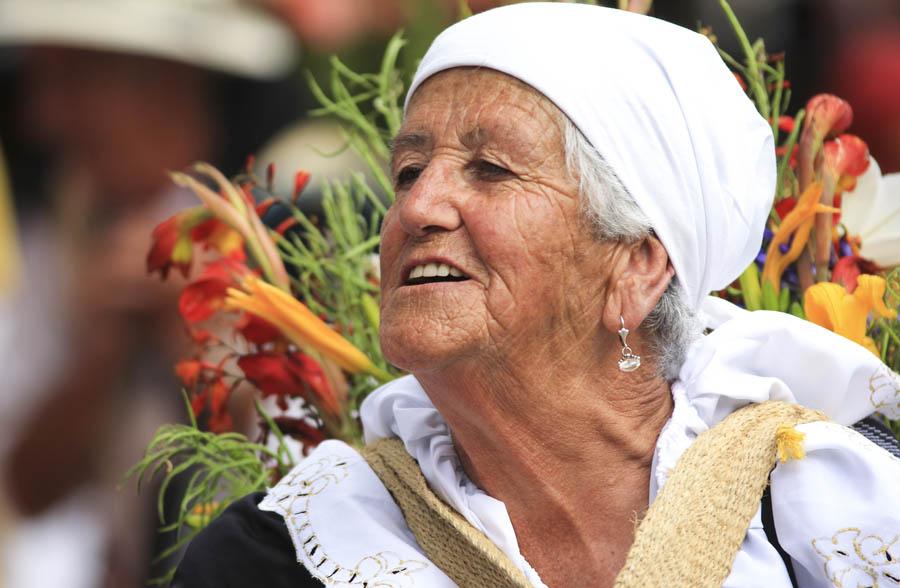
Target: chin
(416,347)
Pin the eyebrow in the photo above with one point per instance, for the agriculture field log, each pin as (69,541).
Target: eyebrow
(408,141)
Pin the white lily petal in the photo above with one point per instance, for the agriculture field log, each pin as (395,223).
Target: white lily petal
(872,211)
(856,206)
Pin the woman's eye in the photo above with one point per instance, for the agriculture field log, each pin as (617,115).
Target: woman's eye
(490,171)
(408,175)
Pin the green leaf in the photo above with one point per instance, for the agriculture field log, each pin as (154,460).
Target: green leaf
(784,300)
(750,289)
(769,297)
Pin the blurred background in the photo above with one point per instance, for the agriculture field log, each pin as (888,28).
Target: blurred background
(98,98)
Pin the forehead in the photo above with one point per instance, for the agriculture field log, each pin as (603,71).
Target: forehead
(478,105)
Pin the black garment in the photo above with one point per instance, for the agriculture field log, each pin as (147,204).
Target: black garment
(243,548)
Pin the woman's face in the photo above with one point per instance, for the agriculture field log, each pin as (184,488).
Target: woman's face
(482,188)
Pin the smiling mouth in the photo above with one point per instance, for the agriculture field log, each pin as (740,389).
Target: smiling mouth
(431,273)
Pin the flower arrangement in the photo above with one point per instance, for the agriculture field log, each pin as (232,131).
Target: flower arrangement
(286,303)
(830,204)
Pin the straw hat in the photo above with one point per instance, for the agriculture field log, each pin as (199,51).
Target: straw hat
(233,36)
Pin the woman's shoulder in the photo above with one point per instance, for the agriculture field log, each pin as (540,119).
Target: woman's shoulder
(244,546)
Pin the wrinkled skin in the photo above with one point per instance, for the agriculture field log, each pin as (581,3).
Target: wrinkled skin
(482,184)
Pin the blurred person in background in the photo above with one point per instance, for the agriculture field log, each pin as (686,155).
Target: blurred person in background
(110,95)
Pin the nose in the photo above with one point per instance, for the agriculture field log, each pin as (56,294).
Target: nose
(431,204)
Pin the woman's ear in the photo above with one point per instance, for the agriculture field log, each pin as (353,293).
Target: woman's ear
(641,275)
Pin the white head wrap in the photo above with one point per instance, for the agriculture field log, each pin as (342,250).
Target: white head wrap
(659,105)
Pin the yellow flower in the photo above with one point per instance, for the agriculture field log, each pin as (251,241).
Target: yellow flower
(300,325)
(829,305)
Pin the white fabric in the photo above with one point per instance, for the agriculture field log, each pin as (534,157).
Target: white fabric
(659,105)
(345,526)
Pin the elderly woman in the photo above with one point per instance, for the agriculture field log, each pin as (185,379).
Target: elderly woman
(565,202)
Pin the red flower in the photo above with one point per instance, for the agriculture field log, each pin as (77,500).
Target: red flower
(206,295)
(256,330)
(847,155)
(786,123)
(198,403)
(843,160)
(201,336)
(290,374)
(848,269)
(219,417)
(301,179)
(214,234)
(172,245)
(188,371)
(784,206)
(826,115)
(300,430)
(202,298)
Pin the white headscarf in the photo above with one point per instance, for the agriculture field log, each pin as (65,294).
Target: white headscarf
(658,104)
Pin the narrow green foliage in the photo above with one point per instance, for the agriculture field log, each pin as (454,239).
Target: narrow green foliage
(335,262)
(211,471)
(752,53)
(783,167)
(369,107)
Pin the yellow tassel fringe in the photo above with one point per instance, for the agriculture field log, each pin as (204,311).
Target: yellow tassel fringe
(789,444)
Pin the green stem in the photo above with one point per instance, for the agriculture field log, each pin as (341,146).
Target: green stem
(760,94)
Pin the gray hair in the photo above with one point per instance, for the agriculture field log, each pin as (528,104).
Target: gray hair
(612,212)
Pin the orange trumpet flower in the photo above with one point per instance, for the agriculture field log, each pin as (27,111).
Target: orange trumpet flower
(798,222)
(300,325)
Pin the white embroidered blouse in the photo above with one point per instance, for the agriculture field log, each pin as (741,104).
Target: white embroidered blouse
(836,511)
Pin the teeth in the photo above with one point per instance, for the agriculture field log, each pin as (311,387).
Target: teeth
(435,270)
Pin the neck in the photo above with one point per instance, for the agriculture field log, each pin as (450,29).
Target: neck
(576,439)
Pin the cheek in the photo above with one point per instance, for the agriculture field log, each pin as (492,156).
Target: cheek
(390,245)
(524,240)
(526,248)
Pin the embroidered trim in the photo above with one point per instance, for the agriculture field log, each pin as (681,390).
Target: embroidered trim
(884,392)
(292,498)
(853,559)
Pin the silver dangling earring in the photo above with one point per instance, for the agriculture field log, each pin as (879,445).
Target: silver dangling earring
(629,361)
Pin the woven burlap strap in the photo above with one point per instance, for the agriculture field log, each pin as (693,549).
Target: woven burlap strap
(689,536)
(459,549)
